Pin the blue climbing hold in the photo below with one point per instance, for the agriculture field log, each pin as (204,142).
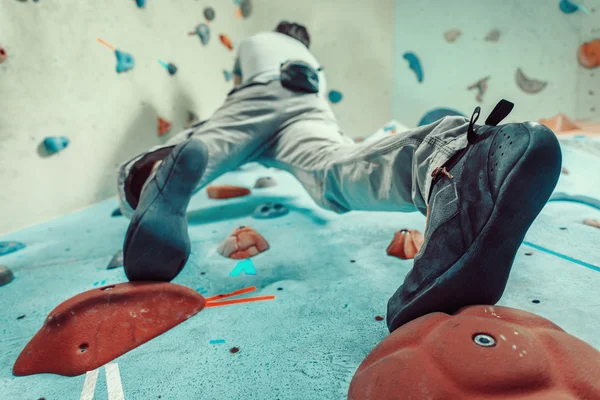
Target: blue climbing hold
(390,127)
(10,247)
(237,2)
(228,75)
(415,64)
(203,32)
(270,210)
(54,144)
(568,7)
(245,266)
(140,3)
(438,113)
(172,69)
(125,61)
(217,341)
(335,96)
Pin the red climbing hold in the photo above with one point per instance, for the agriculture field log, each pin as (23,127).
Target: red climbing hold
(164,126)
(406,244)
(3,55)
(226,192)
(481,352)
(97,326)
(226,41)
(244,242)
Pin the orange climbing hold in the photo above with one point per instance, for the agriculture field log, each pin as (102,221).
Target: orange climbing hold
(226,41)
(226,191)
(406,244)
(97,326)
(482,352)
(592,222)
(559,123)
(588,54)
(244,242)
(164,126)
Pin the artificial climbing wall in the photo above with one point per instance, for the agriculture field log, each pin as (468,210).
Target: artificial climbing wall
(534,35)
(58,80)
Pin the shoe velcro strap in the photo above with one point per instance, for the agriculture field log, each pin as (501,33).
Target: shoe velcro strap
(501,111)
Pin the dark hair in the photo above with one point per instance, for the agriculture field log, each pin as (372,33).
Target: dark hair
(295,31)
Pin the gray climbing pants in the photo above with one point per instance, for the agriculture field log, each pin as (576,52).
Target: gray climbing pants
(298,133)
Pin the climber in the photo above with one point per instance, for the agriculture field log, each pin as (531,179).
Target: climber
(480,186)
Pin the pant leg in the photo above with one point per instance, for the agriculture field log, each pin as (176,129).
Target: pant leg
(389,174)
(238,132)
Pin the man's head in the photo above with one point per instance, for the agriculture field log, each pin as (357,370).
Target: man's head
(294,30)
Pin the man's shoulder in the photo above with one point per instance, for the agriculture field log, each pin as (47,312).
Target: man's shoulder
(262,37)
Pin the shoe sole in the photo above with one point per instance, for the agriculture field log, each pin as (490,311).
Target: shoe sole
(157,244)
(481,274)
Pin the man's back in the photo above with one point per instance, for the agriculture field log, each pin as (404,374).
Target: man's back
(260,57)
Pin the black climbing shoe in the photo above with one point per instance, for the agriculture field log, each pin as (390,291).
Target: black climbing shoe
(481,204)
(157,244)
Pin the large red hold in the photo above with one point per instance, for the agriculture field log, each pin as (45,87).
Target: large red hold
(482,352)
(97,326)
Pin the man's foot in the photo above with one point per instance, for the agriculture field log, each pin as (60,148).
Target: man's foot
(157,244)
(482,203)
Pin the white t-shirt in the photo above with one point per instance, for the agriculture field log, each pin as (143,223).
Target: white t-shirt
(259,57)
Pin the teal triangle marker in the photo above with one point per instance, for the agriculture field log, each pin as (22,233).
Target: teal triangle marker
(245,266)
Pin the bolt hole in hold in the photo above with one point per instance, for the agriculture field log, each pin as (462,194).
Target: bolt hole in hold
(535,301)
(21,317)
(562,228)
(108,287)
(279,288)
(83,347)
(484,340)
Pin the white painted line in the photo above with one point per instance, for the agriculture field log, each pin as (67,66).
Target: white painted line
(89,386)
(113,382)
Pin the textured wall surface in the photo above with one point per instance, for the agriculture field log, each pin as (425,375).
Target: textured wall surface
(335,278)
(534,36)
(58,81)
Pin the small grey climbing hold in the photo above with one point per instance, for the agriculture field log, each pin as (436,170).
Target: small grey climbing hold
(117,260)
(529,85)
(270,210)
(493,36)
(209,13)
(246,8)
(6,275)
(265,182)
